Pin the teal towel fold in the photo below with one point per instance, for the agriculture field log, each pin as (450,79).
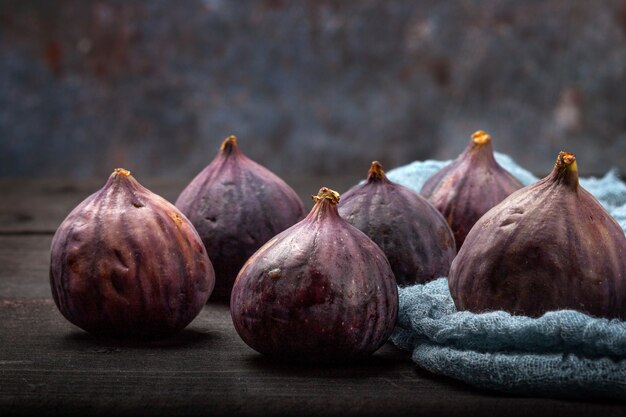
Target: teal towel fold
(561,354)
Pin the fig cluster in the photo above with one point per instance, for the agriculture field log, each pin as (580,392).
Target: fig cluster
(127,263)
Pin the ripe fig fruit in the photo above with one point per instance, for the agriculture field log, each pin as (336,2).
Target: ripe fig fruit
(126,263)
(320,290)
(237,205)
(413,234)
(469,186)
(549,246)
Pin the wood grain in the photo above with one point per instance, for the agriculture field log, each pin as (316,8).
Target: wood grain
(25,261)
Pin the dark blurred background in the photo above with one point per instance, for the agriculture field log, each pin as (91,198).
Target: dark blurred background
(310,87)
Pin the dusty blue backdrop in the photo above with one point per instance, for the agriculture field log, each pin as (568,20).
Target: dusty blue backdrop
(308,86)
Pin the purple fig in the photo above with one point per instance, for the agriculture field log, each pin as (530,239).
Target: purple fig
(127,263)
(320,290)
(237,205)
(549,246)
(414,236)
(469,186)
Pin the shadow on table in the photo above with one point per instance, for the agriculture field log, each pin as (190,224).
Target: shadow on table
(187,338)
(388,360)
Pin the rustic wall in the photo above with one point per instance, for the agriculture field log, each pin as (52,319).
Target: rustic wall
(309,86)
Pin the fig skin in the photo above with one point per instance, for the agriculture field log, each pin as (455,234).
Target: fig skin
(126,263)
(321,290)
(236,205)
(549,246)
(413,234)
(469,186)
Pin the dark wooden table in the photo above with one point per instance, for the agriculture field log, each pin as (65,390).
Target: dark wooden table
(49,367)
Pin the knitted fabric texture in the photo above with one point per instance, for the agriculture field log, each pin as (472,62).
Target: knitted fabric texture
(561,354)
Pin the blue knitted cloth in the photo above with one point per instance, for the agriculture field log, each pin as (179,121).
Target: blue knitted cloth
(561,354)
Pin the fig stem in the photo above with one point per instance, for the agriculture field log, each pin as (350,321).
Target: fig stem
(566,170)
(121,179)
(480,148)
(326,193)
(376,173)
(121,171)
(229,144)
(566,159)
(481,137)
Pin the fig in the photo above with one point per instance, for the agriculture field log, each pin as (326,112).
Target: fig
(236,206)
(321,290)
(126,263)
(469,186)
(549,246)
(411,232)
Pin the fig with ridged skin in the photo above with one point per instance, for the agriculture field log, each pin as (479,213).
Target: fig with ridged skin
(413,234)
(237,205)
(126,263)
(469,186)
(321,290)
(549,246)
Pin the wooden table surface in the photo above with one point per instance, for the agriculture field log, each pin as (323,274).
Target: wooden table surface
(50,367)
